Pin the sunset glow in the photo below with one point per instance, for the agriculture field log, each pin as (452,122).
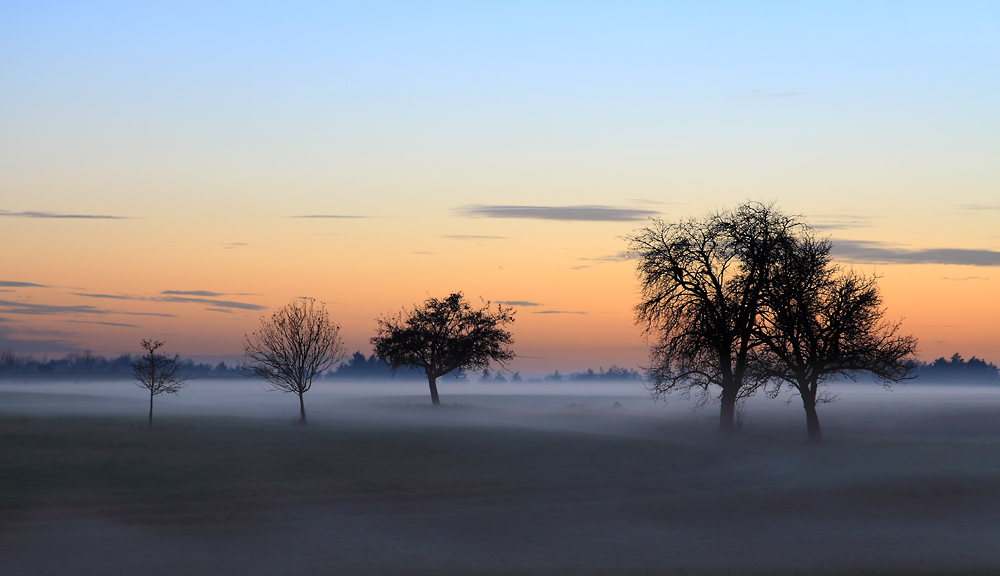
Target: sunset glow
(177,172)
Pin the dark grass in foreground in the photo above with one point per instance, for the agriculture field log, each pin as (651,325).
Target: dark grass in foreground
(255,496)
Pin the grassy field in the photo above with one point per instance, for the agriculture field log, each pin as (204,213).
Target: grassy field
(513,485)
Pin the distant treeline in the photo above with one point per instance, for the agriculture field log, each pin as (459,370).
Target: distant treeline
(357,367)
(90,365)
(958,370)
(360,367)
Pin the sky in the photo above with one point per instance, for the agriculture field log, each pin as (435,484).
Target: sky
(179,170)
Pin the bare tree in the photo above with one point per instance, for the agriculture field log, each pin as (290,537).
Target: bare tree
(298,343)
(445,335)
(157,373)
(701,284)
(820,322)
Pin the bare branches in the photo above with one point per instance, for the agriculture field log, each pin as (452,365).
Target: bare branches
(701,282)
(445,335)
(295,345)
(819,322)
(157,373)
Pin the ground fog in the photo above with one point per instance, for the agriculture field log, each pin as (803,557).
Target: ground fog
(531,478)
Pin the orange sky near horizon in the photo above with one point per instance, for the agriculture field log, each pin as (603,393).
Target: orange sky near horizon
(207,132)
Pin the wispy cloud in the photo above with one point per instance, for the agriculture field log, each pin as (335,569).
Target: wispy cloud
(210,302)
(885,253)
(10,307)
(558,312)
(219,310)
(103,323)
(10,338)
(232,245)
(620,257)
(762,94)
(160,314)
(518,303)
(966,279)
(205,293)
(585,213)
(981,207)
(10,284)
(474,237)
(108,296)
(180,296)
(30,214)
(333,216)
(839,222)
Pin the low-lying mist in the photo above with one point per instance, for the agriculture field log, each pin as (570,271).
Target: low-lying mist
(531,478)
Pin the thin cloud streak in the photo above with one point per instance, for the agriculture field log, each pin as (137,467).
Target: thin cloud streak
(518,303)
(474,237)
(10,284)
(179,296)
(582,213)
(192,293)
(160,314)
(331,216)
(220,303)
(104,323)
(108,296)
(8,307)
(557,312)
(884,253)
(31,214)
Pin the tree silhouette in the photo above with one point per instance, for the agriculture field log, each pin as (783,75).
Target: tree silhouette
(820,322)
(701,284)
(441,336)
(290,349)
(157,373)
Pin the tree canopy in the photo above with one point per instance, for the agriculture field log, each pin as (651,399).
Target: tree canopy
(819,322)
(298,343)
(701,283)
(444,335)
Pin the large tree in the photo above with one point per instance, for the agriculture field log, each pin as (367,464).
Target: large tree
(157,373)
(441,336)
(298,343)
(701,284)
(821,322)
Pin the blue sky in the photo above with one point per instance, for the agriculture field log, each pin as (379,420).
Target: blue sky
(209,124)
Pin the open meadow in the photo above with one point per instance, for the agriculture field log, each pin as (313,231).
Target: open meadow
(535,478)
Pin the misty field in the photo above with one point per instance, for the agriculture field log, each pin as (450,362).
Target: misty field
(503,479)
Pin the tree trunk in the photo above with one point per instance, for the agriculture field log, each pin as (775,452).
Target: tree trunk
(150,410)
(812,420)
(302,409)
(434,390)
(727,415)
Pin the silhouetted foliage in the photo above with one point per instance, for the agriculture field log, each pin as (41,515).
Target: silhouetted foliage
(87,365)
(357,367)
(157,373)
(486,377)
(614,373)
(958,370)
(701,284)
(819,322)
(442,336)
(298,343)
